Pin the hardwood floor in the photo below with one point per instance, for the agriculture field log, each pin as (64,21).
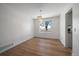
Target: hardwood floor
(39,47)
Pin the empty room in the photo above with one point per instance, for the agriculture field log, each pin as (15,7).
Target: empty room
(39,29)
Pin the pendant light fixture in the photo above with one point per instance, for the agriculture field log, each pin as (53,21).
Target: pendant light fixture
(40,16)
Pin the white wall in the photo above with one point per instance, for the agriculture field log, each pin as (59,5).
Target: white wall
(55,30)
(76,30)
(15,26)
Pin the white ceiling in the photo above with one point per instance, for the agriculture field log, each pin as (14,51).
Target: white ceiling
(33,9)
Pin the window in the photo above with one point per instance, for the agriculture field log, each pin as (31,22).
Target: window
(45,25)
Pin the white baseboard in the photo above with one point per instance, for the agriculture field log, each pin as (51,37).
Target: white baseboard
(62,43)
(14,45)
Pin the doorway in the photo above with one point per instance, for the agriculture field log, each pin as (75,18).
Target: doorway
(68,28)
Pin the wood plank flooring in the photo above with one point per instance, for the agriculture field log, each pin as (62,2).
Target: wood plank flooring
(39,47)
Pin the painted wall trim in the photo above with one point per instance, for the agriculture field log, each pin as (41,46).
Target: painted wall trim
(14,45)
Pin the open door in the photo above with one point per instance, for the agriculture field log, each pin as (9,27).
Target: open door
(68,27)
